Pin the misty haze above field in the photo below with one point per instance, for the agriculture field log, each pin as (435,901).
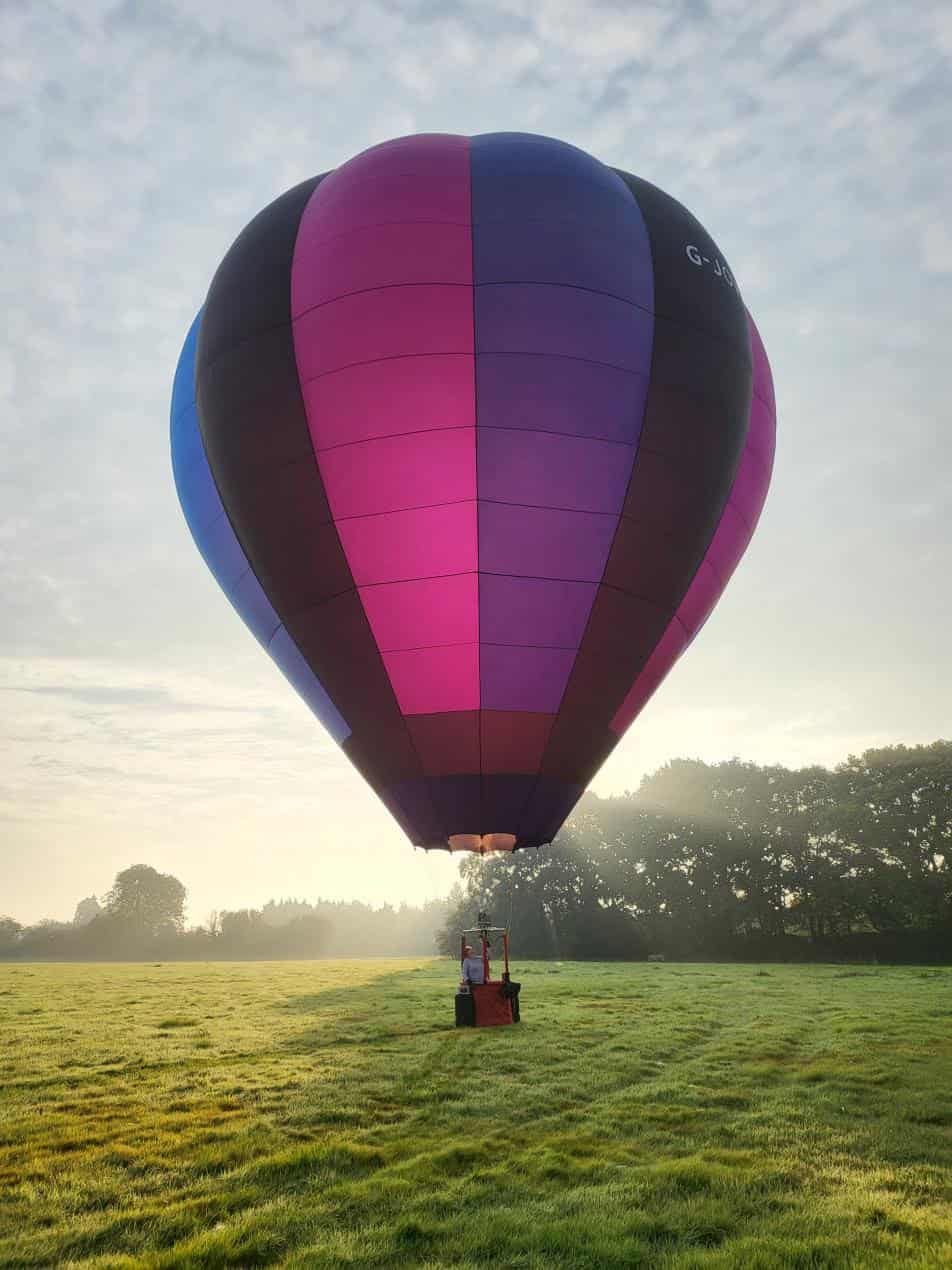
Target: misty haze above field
(140,720)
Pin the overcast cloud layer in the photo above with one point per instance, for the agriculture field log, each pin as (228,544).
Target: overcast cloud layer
(139,720)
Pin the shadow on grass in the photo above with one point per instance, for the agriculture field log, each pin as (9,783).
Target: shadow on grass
(395,1005)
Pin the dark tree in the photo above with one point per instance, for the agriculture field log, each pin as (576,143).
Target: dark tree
(146,903)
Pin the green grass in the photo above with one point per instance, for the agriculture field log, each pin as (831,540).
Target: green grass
(328,1114)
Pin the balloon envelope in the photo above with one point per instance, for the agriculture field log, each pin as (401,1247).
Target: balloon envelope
(473,432)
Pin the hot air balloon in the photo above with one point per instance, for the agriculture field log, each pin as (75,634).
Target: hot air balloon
(473,431)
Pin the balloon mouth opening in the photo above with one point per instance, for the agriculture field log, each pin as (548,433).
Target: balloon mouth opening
(482,843)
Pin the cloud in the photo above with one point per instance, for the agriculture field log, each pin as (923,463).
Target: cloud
(111,695)
(936,246)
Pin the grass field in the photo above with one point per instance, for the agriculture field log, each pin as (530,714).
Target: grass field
(328,1114)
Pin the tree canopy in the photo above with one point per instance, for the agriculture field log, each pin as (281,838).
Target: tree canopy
(728,858)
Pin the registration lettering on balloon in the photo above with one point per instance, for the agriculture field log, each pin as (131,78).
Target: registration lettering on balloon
(473,455)
(720,269)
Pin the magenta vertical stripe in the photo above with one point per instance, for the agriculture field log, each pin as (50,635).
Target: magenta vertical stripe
(382,310)
(425,542)
(731,538)
(374,399)
(390,474)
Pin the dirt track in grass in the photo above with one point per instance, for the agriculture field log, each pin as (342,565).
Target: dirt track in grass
(328,1114)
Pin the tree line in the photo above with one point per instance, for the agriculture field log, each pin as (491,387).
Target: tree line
(735,860)
(143,917)
(724,860)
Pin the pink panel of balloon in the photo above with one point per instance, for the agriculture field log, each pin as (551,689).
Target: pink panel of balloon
(472,432)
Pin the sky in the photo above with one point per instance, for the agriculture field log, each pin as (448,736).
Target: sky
(140,721)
